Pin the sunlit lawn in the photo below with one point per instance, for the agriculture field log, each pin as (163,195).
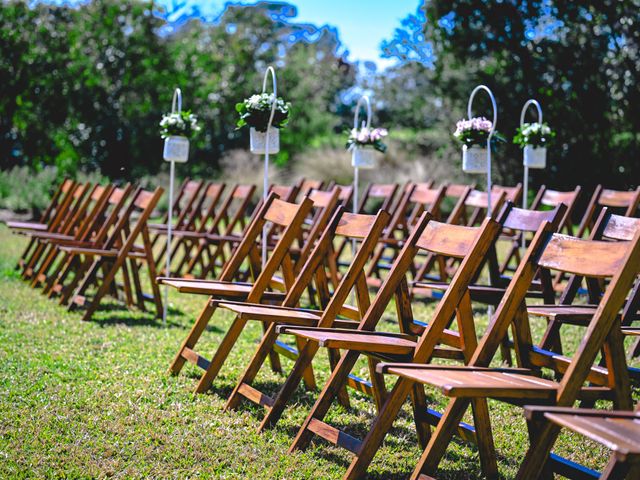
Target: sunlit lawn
(93,400)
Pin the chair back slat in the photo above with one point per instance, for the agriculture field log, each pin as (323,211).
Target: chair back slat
(448,240)
(552,198)
(143,199)
(617,198)
(596,259)
(528,220)
(281,213)
(355,225)
(621,228)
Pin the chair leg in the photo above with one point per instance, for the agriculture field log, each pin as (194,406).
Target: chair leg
(534,461)
(193,337)
(336,382)
(258,359)
(419,405)
(222,352)
(484,436)
(441,437)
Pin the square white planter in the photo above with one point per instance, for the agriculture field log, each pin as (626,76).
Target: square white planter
(176,149)
(364,157)
(535,157)
(258,141)
(474,159)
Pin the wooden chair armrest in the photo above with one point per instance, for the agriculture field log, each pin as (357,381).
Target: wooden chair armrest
(384,367)
(537,412)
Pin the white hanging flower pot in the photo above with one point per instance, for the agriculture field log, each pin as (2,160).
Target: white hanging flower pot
(364,157)
(176,149)
(474,159)
(258,141)
(535,157)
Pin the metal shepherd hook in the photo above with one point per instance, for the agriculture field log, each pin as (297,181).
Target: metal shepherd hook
(356,180)
(525,181)
(265,190)
(176,107)
(493,129)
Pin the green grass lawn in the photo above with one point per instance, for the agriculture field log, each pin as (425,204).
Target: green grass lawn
(93,399)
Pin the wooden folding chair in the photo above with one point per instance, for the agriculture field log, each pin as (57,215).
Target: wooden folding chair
(204,216)
(290,218)
(86,222)
(305,186)
(183,209)
(65,223)
(377,196)
(617,430)
(96,236)
(367,229)
(626,202)
(418,198)
(608,227)
(58,200)
(544,199)
(471,245)
(472,385)
(112,258)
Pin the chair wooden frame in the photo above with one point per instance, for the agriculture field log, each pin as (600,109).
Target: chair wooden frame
(59,199)
(604,197)
(287,215)
(617,430)
(112,258)
(471,385)
(56,282)
(367,229)
(471,245)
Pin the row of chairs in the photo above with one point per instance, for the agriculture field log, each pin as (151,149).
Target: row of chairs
(91,242)
(407,251)
(425,255)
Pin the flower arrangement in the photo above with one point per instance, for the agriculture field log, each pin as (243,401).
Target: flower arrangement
(182,124)
(256,110)
(534,134)
(473,132)
(367,137)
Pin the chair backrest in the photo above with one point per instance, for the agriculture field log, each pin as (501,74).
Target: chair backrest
(57,200)
(306,185)
(233,212)
(288,216)
(512,194)
(617,261)
(416,199)
(625,201)
(469,244)
(350,226)
(381,194)
(105,221)
(552,198)
(475,205)
(205,209)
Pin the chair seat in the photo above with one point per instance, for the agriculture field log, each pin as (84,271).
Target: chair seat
(478,382)
(207,287)
(273,314)
(575,314)
(622,435)
(362,341)
(27,226)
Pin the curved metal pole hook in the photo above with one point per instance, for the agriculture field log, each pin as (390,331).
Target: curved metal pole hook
(530,102)
(363,99)
(177,101)
(493,129)
(274,83)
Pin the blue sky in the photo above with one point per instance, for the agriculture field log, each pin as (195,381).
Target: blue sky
(362,24)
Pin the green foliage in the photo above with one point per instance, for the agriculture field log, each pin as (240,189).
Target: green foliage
(84,86)
(580,59)
(23,190)
(255,112)
(184,124)
(535,134)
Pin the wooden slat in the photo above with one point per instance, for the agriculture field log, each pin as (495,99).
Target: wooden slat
(335,436)
(255,396)
(195,358)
